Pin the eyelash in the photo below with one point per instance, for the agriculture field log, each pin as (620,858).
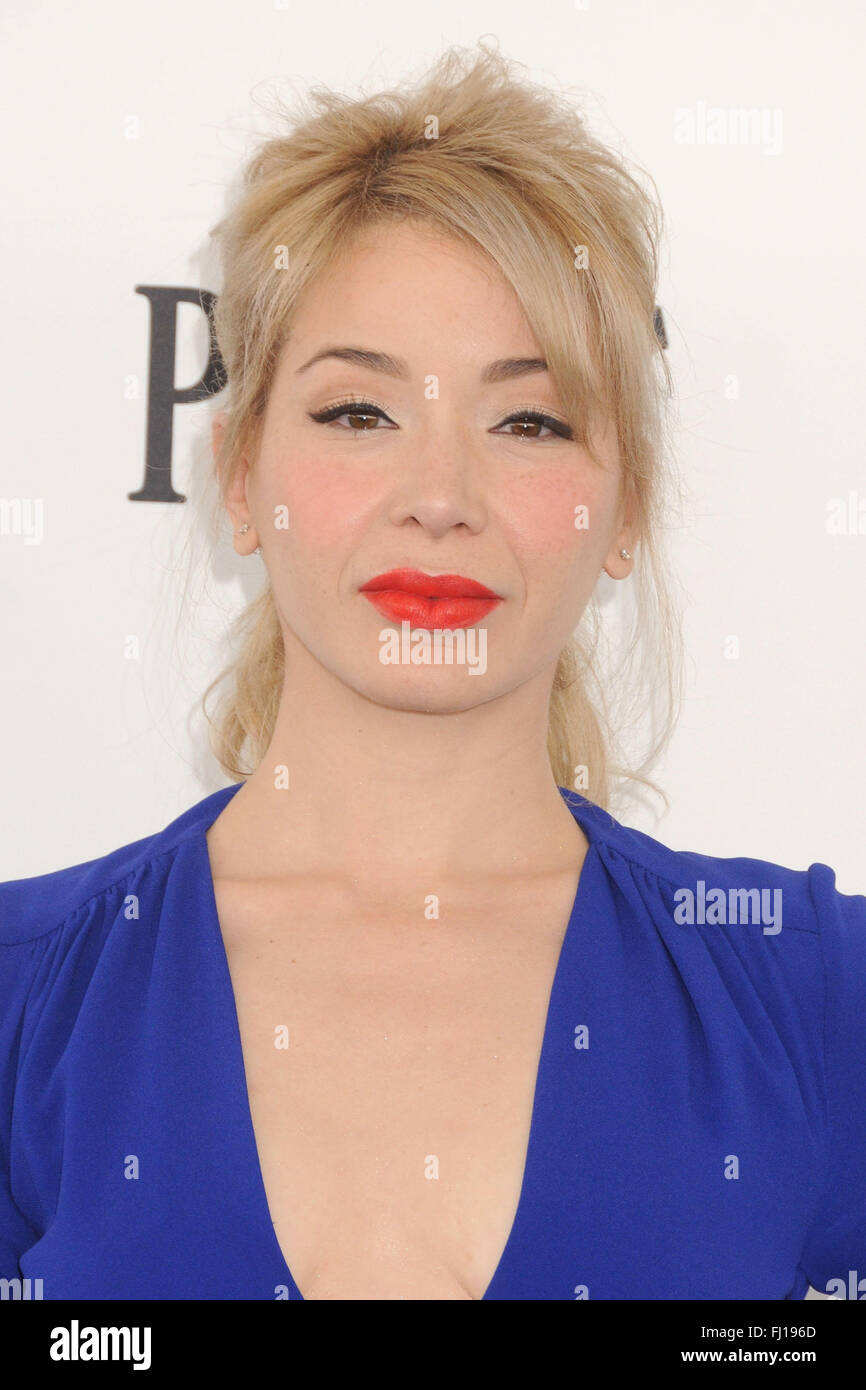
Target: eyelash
(355,407)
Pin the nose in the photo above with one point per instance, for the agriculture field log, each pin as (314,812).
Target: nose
(438,482)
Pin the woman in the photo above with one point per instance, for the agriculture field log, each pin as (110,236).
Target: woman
(401,1014)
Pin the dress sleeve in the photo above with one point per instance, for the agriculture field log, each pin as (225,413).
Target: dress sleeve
(18,965)
(835,1247)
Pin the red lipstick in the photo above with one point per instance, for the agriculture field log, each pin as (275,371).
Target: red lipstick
(429,600)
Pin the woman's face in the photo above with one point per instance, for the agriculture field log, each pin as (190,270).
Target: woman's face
(422,474)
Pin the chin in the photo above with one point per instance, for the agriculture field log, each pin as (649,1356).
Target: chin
(418,692)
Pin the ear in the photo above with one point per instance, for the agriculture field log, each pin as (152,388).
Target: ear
(625,537)
(236,497)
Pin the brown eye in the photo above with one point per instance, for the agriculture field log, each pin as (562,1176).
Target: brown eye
(352,410)
(536,420)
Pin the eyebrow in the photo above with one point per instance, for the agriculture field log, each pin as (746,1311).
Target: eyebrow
(505,369)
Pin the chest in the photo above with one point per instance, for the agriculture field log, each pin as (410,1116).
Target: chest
(391,1064)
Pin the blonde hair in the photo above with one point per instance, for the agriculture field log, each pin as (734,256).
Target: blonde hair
(512,169)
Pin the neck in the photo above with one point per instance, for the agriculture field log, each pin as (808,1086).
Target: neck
(354,789)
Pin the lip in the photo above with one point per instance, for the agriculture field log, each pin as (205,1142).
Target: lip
(428,585)
(430,600)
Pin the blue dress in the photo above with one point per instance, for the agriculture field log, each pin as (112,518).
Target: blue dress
(699,1120)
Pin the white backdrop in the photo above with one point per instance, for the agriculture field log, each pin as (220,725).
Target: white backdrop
(125,125)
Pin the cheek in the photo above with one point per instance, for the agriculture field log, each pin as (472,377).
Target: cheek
(562,518)
(324,508)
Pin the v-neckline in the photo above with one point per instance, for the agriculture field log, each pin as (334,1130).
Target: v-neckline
(238,1080)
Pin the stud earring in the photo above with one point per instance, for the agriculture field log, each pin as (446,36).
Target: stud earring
(623,555)
(242,532)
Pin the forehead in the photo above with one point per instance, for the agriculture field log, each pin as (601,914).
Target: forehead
(412,274)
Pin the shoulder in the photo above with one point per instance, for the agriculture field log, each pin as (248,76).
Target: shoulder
(703,889)
(58,929)
(759,948)
(34,907)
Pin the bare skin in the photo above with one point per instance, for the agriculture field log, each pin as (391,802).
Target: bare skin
(392,1130)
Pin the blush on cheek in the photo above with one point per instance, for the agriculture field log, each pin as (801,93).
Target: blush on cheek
(560,514)
(318,507)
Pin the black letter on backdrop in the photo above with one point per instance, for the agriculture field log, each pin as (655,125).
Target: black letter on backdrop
(162,394)
(659,326)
